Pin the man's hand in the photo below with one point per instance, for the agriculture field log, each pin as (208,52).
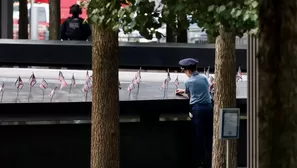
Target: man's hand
(180,91)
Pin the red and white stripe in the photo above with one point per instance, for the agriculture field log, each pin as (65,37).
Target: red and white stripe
(43,84)
(131,87)
(19,83)
(53,92)
(32,80)
(63,84)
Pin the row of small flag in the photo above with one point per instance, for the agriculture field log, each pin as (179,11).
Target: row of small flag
(238,74)
(137,79)
(88,82)
(43,84)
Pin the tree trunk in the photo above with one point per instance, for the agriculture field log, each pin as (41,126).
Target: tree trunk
(278,81)
(182,36)
(23,20)
(170,38)
(105,101)
(225,95)
(54,23)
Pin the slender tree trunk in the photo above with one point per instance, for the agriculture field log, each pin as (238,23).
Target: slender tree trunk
(54,24)
(225,95)
(170,38)
(105,102)
(23,20)
(278,81)
(182,36)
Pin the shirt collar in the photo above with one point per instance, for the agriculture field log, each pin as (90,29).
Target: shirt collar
(195,73)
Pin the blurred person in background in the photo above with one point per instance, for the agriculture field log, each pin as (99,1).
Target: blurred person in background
(74,28)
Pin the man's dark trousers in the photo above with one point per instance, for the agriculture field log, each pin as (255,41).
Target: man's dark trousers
(202,120)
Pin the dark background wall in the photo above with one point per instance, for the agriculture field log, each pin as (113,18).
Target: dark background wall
(161,145)
(78,55)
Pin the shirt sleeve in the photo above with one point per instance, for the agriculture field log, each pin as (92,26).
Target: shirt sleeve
(187,90)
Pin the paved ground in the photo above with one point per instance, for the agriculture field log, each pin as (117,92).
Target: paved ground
(149,87)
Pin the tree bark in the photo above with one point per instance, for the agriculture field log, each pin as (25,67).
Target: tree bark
(170,38)
(225,95)
(277,84)
(105,99)
(23,20)
(182,36)
(54,23)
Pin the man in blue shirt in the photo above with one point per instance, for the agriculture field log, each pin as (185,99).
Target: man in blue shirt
(197,89)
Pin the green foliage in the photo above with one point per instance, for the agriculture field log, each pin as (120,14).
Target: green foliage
(238,16)
(142,16)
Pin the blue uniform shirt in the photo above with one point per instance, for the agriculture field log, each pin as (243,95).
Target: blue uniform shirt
(198,88)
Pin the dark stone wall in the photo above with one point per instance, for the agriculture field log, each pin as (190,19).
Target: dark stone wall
(159,145)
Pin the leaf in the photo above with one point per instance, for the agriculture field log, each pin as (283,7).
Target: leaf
(254,4)
(179,7)
(210,8)
(107,5)
(94,18)
(238,13)
(254,17)
(116,27)
(221,8)
(246,16)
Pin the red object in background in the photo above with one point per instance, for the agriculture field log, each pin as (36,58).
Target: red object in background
(65,7)
(41,1)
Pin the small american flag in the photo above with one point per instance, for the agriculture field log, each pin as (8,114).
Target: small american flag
(207,72)
(19,83)
(63,84)
(168,77)
(166,81)
(87,76)
(53,92)
(73,82)
(176,82)
(32,80)
(43,84)
(211,83)
(163,84)
(61,76)
(137,74)
(137,77)
(2,87)
(239,75)
(85,88)
(136,81)
(131,87)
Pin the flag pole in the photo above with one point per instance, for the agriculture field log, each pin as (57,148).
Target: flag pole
(164,89)
(86,95)
(138,83)
(2,96)
(42,94)
(70,89)
(167,84)
(18,90)
(52,96)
